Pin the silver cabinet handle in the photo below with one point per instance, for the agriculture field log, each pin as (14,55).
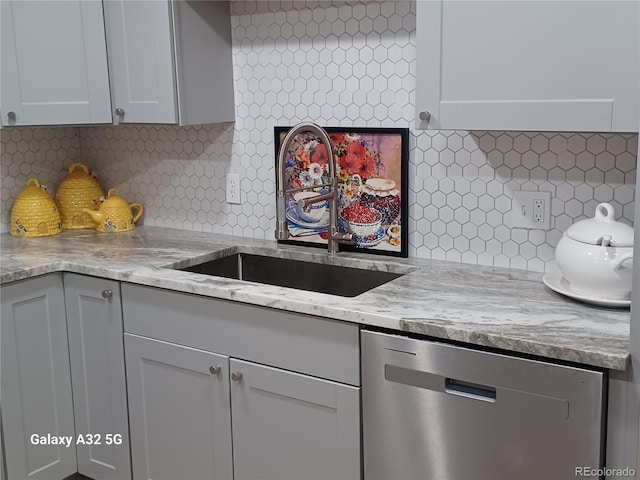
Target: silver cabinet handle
(425,116)
(11,116)
(107,294)
(236,376)
(215,370)
(120,112)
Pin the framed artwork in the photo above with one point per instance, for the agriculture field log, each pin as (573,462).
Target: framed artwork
(371,166)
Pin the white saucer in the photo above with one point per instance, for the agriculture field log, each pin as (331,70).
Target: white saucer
(292,217)
(556,282)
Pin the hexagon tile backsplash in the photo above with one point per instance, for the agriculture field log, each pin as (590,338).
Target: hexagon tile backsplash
(43,153)
(340,63)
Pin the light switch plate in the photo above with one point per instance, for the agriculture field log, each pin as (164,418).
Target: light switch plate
(233,188)
(531,210)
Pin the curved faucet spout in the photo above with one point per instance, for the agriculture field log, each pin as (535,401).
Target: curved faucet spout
(282,230)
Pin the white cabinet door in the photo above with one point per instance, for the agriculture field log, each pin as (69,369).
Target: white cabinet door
(141,62)
(170,61)
(292,426)
(528,65)
(94,319)
(54,63)
(36,380)
(179,409)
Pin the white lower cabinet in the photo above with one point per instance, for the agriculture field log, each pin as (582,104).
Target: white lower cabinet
(195,414)
(292,426)
(36,380)
(280,398)
(184,401)
(179,409)
(63,376)
(94,322)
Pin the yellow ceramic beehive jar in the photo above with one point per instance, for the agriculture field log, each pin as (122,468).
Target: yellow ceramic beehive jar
(34,213)
(115,214)
(79,190)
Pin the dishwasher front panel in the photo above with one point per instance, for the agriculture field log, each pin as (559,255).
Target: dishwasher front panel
(433,411)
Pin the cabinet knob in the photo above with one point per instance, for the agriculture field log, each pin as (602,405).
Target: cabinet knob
(236,376)
(120,112)
(11,116)
(215,370)
(425,116)
(107,294)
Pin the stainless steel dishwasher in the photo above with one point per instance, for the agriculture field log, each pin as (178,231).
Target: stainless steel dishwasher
(433,411)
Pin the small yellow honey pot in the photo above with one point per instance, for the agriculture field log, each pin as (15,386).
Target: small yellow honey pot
(115,214)
(79,190)
(34,213)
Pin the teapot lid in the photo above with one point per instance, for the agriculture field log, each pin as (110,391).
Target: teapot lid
(602,229)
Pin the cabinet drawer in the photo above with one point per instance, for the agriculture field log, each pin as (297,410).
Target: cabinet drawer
(301,343)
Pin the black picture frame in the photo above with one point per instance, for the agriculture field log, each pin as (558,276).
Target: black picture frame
(372,168)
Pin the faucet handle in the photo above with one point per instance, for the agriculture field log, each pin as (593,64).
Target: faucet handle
(342,237)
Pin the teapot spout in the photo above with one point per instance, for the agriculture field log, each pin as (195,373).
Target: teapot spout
(97,217)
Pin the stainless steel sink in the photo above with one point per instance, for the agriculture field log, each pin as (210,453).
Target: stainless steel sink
(298,274)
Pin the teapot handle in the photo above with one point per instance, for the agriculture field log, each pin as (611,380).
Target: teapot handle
(137,215)
(617,263)
(82,166)
(112,191)
(33,181)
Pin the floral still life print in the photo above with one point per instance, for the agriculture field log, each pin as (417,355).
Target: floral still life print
(371,168)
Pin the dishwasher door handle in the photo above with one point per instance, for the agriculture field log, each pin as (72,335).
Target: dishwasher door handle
(439,383)
(509,398)
(470,390)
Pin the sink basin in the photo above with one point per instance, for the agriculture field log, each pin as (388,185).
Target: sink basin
(298,274)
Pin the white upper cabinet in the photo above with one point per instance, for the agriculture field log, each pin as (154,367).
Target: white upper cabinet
(528,65)
(54,64)
(170,61)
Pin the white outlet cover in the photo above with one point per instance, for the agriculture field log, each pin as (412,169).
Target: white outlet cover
(233,188)
(522,210)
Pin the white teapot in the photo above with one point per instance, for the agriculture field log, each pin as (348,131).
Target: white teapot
(595,255)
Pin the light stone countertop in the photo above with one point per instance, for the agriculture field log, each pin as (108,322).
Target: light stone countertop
(494,307)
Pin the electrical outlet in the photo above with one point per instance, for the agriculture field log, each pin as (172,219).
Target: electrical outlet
(539,210)
(233,188)
(531,210)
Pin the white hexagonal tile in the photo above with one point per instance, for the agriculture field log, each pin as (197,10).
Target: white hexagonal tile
(522,143)
(576,144)
(614,178)
(558,144)
(504,143)
(626,161)
(616,144)
(596,144)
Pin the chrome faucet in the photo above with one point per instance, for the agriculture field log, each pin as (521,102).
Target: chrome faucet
(282,229)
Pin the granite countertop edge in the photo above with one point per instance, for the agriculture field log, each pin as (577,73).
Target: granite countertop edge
(492,307)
